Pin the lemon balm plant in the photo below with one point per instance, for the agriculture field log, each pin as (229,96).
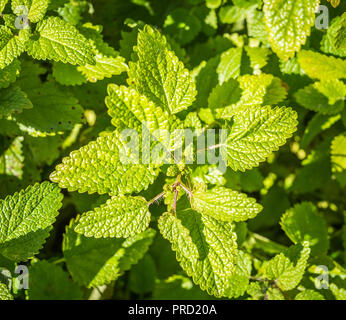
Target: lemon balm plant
(172,152)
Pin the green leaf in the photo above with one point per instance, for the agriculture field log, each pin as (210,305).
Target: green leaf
(231,14)
(142,276)
(26,219)
(206,249)
(256,90)
(9,74)
(229,66)
(258,57)
(120,217)
(224,95)
(107,259)
(50,282)
(274,294)
(159,75)
(288,24)
(206,79)
(3,5)
(213,4)
(339,293)
(224,204)
(12,160)
(72,12)
(320,66)
(309,295)
(239,281)
(340,37)
(11,46)
(13,100)
(275,92)
(45,150)
(310,98)
(256,26)
(54,111)
(256,132)
(329,43)
(99,167)
(59,41)
(130,110)
(67,74)
(5,293)
(36,9)
(338,153)
(105,67)
(287,269)
(303,223)
(334,90)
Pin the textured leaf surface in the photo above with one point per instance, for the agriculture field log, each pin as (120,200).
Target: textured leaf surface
(12,160)
(212,243)
(229,66)
(334,90)
(321,66)
(288,24)
(256,133)
(107,259)
(120,217)
(50,282)
(159,75)
(339,293)
(105,67)
(98,167)
(36,8)
(288,268)
(26,219)
(303,223)
(258,57)
(225,205)
(5,293)
(11,46)
(260,89)
(9,74)
(60,41)
(309,295)
(13,100)
(130,110)
(329,42)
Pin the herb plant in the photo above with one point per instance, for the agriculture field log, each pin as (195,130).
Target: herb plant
(182,150)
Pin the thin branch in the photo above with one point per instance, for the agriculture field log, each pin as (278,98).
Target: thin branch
(158,197)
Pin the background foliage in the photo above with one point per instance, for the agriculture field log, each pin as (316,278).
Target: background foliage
(243,56)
